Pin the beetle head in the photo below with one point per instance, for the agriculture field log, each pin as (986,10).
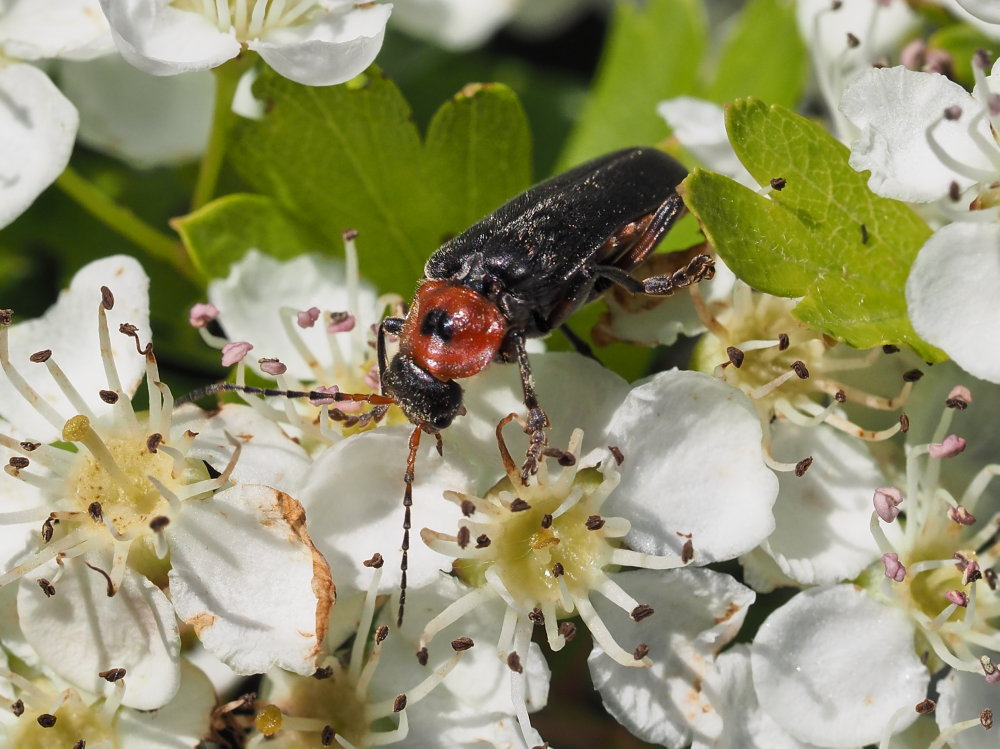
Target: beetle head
(423,398)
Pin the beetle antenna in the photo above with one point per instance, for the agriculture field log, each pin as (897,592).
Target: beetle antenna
(411,460)
(318,396)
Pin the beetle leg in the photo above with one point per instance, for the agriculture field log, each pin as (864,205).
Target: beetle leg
(577,342)
(701,268)
(536,422)
(658,225)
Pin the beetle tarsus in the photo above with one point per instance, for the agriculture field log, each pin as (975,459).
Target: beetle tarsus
(701,268)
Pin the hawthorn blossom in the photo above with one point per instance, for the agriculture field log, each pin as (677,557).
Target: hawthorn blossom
(132,486)
(270,306)
(929,602)
(926,139)
(313,42)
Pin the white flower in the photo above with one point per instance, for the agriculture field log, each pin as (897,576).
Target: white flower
(111,505)
(314,42)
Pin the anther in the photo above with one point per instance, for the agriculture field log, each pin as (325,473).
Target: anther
(47,530)
(375,562)
(687,551)
(991,672)
(519,505)
(482,541)
(567,630)
(30,446)
(925,707)
(904,423)
(893,569)
(954,192)
(546,521)
(617,454)
(642,611)
(107,298)
(641,651)
(6,316)
(536,617)
(778,183)
(735,355)
(783,341)
(81,744)
(981,59)
(108,396)
(986,719)
(381,633)
(949,447)
(112,674)
(47,588)
(961,515)
(327,735)
(912,375)
(46,720)
(468,508)
(399,704)
(463,537)
(886,501)
(153,442)
(40,357)
(341,322)
(971,573)
(349,234)
(95,511)
(272,367)
(952,113)
(18,462)
(959,398)
(202,314)
(957,597)
(802,466)
(18,706)
(800,370)
(514,663)
(323,673)
(890,348)
(990,576)
(459,645)
(558,570)
(594,523)
(840,396)
(422,656)
(158,523)
(852,41)
(864,234)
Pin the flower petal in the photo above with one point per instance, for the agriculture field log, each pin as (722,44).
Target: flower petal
(832,667)
(68,29)
(39,126)
(962,696)
(697,612)
(821,534)
(80,632)
(693,465)
(70,330)
(333,48)
(252,622)
(160,39)
(455,24)
(700,126)
(895,109)
(145,121)
(951,295)
(180,724)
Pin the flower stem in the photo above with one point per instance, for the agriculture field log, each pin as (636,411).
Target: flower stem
(227,76)
(122,220)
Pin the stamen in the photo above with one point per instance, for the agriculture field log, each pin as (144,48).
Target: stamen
(123,405)
(469,602)
(42,406)
(60,378)
(602,636)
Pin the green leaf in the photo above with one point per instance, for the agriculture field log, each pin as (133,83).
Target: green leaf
(350,157)
(652,53)
(825,237)
(221,232)
(764,56)
(476,147)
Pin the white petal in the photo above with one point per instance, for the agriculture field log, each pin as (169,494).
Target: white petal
(258,285)
(574,391)
(951,295)
(962,696)
(354,498)
(832,666)
(161,40)
(268,456)
(697,612)
(762,573)
(985,10)
(894,109)
(693,465)
(39,126)
(80,632)
(225,551)
(180,724)
(744,724)
(454,24)
(70,329)
(331,49)
(879,27)
(70,29)
(976,13)
(821,534)
(145,121)
(700,126)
